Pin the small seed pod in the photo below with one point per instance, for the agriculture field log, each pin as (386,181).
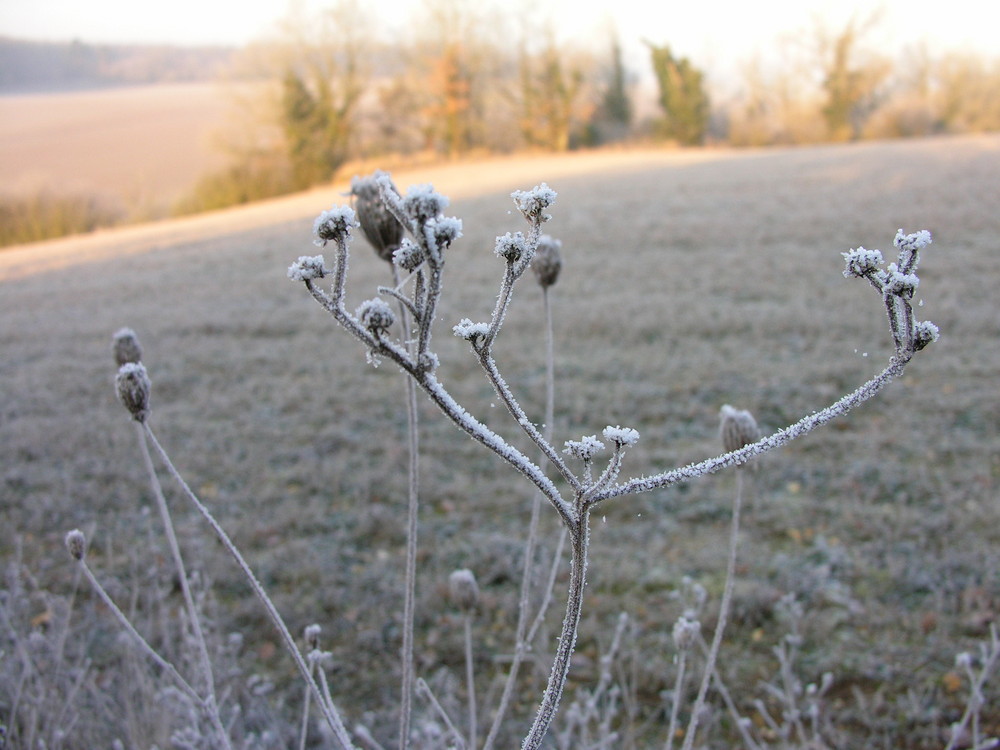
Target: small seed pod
(76,544)
(312,636)
(132,385)
(685,633)
(376,315)
(125,347)
(463,590)
(546,262)
(382,230)
(738,428)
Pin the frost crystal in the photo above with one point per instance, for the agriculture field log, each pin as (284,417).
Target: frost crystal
(685,633)
(408,256)
(334,224)
(621,436)
(306,267)
(376,315)
(584,449)
(422,203)
(445,230)
(861,262)
(470,331)
(512,247)
(532,203)
(898,283)
(912,242)
(924,333)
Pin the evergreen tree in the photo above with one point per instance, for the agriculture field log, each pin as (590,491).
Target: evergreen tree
(682,96)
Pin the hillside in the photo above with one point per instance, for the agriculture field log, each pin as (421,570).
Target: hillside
(691,279)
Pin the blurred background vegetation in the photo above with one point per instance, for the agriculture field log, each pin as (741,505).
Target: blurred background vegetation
(332,95)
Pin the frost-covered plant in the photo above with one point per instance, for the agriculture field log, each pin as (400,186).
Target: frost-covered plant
(587,483)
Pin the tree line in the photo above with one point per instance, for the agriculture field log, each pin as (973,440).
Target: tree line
(335,91)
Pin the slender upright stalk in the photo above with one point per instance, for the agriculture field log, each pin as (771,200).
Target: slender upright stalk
(412,513)
(720,626)
(204,660)
(579,541)
(520,642)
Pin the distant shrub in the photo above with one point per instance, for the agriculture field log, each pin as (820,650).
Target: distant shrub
(244,182)
(45,214)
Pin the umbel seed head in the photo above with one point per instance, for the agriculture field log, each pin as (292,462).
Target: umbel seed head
(382,230)
(463,590)
(125,347)
(546,262)
(132,385)
(76,544)
(737,428)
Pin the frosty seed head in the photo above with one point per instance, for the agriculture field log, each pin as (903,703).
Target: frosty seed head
(334,225)
(376,315)
(125,346)
(132,385)
(685,633)
(737,428)
(76,544)
(306,268)
(422,203)
(621,436)
(532,203)
(382,230)
(463,590)
(584,449)
(512,247)
(546,262)
(444,230)
(924,333)
(861,262)
(408,256)
(312,636)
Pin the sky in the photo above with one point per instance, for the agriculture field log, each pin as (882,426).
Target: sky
(720,33)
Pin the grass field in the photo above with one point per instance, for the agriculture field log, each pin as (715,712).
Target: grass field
(691,280)
(137,147)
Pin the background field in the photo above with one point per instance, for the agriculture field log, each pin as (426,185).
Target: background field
(137,147)
(690,280)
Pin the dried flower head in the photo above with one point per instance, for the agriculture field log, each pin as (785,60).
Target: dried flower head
(376,315)
(924,333)
(132,385)
(685,633)
(125,346)
(76,544)
(463,590)
(306,268)
(546,263)
(860,262)
(334,225)
(512,247)
(408,255)
(621,436)
(382,230)
(532,203)
(737,428)
(312,636)
(584,449)
(422,203)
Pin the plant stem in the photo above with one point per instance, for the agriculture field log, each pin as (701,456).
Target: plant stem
(412,513)
(720,625)
(579,541)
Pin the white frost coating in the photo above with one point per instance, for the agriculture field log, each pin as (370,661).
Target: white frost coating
(334,224)
(445,229)
(911,242)
(307,267)
(470,331)
(621,436)
(532,203)
(861,261)
(899,283)
(422,202)
(585,448)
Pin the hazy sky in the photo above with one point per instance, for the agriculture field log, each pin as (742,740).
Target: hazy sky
(716,33)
